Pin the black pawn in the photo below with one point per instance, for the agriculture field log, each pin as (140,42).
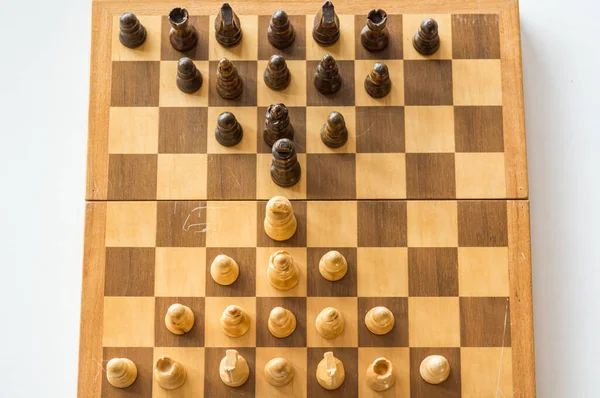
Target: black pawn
(277,75)
(285,169)
(327,78)
(189,79)
(374,36)
(426,40)
(281,31)
(377,82)
(228,29)
(183,36)
(132,33)
(277,124)
(326,29)
(334,133)
(228,131)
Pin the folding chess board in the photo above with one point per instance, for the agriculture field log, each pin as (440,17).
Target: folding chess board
(427,201)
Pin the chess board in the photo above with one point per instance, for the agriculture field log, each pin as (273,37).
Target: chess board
(427,201)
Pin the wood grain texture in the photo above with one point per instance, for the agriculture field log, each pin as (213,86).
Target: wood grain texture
(485,322)
(433,272)
(475,36)
(132,177)
(331,176)
(430,176)
(380,129)
(478,129)
(381,224)
(183,130)
(428,82)
(126,264)
(178,224)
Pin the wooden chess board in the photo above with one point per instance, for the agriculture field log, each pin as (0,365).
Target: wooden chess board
(427,200)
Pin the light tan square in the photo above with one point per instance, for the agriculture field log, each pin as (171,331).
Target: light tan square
(264,288)
(348,307)
(396,95)
(266,188)
(382,271)
(486,372)
(433,322)
(231,224)
(432,224)
(128,322)
(483,271)
(171,95)
(133,130)
(316,117)
(192,359)
(410,25)
(130,224)
(293,95)
(480,175)
(380,176)
(149,51)
(399,357)
(429,129)
(180,272)
(245,50)
(341,49)
(246,116)
(214,335)
(331,224)
(181,176)
(477,82)
(297,387)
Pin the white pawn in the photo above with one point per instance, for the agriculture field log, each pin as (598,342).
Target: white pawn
(330,323)
(279,372)
(224,270)
(435,369)
(121,372)
(282,322)
(283,272)
(235,321)
(333,266)
(179,319)
(169,373)
(280,222)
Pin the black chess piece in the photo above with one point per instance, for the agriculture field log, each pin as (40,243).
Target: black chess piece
(334,133)
(228,29)
(228,131)
(277,124)
(327,78)
(229,83)
(427,40)
(277,75)
(281,31)
(326,30)
(183,36)
(132,33)
(375,35)
(285,168)
(377,82)
(189,79)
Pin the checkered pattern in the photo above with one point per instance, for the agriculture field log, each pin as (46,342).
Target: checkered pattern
(437,135)
(440,266)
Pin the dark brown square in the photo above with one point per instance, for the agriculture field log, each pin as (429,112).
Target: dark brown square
(380,129)
(132,177)
(349,357)
(182,130)
(321,287)
(331,176)
(135,83)
(398,336)
(214,387)
(428,82)
(264,305)
(143,359)
(164,338)
(247,72)
(482,223)
(199,52)
(343,97)
(475,36)
(231,177)
(433,271)
(419,388)
(478,129)
(430,176)
(245,285)
(381,224)
(181,224)
(394,47)
(484,322)
(297,51)
(297,120)
(297,240)
(124,265)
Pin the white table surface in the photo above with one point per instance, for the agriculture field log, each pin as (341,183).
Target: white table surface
(43,124)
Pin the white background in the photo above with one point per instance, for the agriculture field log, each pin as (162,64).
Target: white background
(44,84)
